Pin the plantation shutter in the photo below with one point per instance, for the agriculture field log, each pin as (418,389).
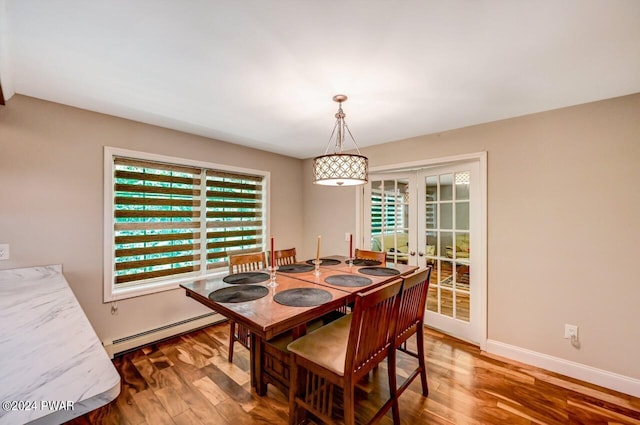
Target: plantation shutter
(157,218)
(234,216)
(386,214)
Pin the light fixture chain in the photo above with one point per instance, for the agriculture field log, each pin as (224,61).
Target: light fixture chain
(340,116)
(331,137)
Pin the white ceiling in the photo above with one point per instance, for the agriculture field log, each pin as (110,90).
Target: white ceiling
(262,73)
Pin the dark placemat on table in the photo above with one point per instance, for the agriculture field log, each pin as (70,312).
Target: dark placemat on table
(295,268)
(348,280)
(247,277)
(325,262)
(302,297)
(238,294)
(363,262)
(379,271)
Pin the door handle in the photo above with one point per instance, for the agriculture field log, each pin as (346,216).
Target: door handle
(421,254)
(412,253)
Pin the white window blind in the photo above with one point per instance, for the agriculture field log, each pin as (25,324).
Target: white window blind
(157,218)
(387,215)
(174,221)
(234,216)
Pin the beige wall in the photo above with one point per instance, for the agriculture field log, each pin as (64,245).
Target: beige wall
(563,225)
(51,198)
(329,212)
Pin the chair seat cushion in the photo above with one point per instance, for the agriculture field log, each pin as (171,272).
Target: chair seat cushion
(281,341)
(326,346)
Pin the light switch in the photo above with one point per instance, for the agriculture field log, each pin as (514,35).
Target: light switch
(4,251)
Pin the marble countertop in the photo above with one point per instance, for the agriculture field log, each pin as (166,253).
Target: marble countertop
(52,365)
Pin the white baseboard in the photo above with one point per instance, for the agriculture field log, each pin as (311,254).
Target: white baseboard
(603,378)
(148,337)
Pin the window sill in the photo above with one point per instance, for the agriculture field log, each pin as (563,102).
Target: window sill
(139,290)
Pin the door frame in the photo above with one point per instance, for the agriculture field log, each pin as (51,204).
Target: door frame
(481,158)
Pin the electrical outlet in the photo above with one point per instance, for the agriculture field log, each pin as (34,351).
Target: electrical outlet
(4,251)
(571,332)
(347,236)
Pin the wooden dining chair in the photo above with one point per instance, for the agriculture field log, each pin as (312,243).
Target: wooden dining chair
(410,322)
(339,354)
(371,255)
(284,256)
(240,263)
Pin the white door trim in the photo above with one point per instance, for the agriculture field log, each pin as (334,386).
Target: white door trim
(481,158)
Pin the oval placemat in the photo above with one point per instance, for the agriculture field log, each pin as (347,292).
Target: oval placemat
(302,297)
(246,277)
(363,262)
(238,294)
(348,280)
(325,262)
(379,271)
(295,268)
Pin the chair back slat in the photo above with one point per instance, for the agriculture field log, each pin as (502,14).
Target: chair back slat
(371,255)
(285,256)
(240,263)
(412,304)
(372,327)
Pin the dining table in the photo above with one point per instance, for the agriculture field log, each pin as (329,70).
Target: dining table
(303,293)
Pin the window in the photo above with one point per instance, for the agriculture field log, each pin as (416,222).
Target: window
(169,221)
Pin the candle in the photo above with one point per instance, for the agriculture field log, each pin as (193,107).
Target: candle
(318,251)
(350,245)
(273,264)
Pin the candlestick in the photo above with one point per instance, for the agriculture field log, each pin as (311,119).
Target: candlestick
(273,264)
(350,245)
(318,256)
(272,273)
(350,259)
(318,250)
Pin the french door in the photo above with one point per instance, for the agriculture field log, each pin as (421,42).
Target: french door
(431,217)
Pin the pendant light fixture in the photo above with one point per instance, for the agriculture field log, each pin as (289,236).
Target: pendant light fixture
(340,169)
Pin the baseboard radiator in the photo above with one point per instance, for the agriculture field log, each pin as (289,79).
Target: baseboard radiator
(130,342)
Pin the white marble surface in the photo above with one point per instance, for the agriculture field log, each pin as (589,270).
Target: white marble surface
(52,365)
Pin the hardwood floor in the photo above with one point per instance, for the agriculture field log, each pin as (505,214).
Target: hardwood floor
(187,380)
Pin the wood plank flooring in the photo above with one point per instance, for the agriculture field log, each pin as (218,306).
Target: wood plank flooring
(187,380)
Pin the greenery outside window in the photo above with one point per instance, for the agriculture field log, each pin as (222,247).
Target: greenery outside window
(170,220)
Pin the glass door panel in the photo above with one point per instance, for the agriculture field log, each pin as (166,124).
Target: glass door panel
(447,225)
(446,187)
(462,215)
(446,215)
(446,242)
(462,306)
(431,220)
(391,213)
(446,302)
